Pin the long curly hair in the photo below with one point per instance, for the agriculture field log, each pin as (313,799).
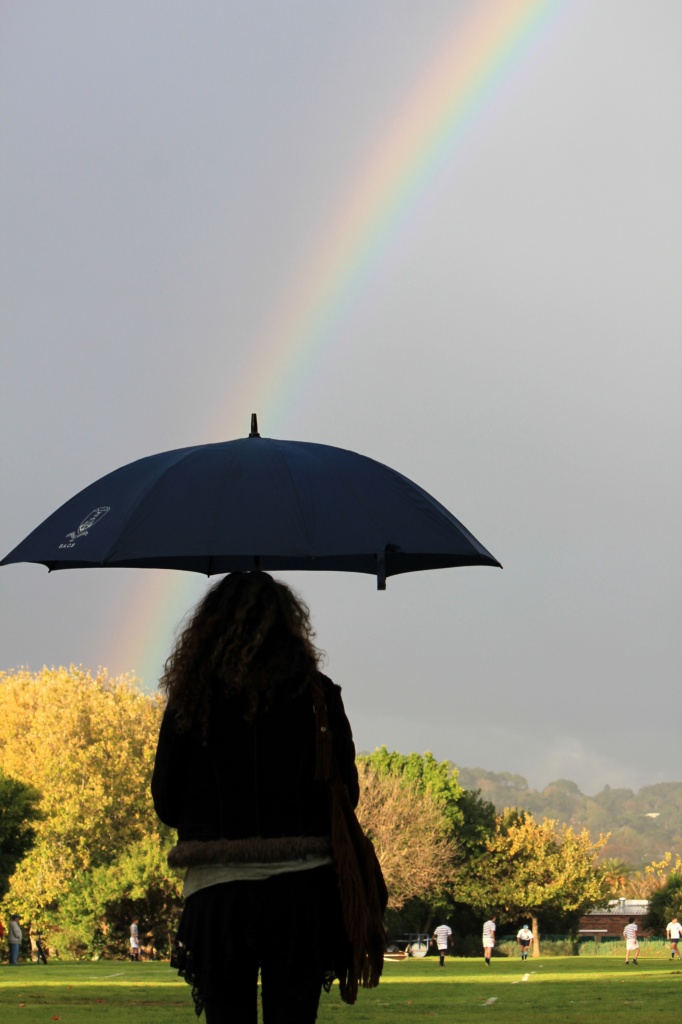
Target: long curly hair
(250,638)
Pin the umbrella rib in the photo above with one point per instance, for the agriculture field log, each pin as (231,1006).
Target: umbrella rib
(282,459)
(357,495)
(183,453)
(359,498)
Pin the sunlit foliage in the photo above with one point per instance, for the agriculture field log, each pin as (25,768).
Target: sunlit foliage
(87,742)
(411,835)
(530,868)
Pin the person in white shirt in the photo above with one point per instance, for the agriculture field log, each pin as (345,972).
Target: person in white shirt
(631,941)
(673,931)
(442,938)
(134,941)
(524,937)
(488,938)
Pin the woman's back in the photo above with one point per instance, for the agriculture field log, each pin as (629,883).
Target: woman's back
(235,774)
(250,777)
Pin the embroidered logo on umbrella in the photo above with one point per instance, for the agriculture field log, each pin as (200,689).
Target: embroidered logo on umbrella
(85,527)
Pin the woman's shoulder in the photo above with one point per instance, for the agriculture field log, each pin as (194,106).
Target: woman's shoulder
(327,682)
(332,690)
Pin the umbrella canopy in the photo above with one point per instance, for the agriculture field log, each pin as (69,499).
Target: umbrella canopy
(254,503)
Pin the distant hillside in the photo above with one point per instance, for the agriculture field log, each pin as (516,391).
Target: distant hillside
(643,825)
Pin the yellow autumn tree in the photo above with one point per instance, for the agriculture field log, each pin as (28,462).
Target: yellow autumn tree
(530,868)
(655,876)
(87,743)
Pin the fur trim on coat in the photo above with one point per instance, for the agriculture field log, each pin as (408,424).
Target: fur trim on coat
(254,850)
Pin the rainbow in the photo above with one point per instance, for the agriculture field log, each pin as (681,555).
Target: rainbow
(481,51)
(487,42)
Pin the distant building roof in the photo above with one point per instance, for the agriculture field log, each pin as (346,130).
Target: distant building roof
(631,908)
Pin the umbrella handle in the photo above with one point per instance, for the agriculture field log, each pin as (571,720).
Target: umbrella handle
(381,571)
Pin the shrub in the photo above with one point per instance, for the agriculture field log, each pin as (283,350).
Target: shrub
(613,945)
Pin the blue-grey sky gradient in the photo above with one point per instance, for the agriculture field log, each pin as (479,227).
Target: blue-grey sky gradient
(166,167)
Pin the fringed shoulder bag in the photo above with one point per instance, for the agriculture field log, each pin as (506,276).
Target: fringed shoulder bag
(361,883)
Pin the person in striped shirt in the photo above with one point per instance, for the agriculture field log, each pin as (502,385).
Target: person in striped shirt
(443,938)
(488,938)
(631,941)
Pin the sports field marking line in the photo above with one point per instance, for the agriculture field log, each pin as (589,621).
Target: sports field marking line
(489,1002)
(98,976)
(524,978)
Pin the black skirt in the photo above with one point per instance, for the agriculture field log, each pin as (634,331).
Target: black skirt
(295,916)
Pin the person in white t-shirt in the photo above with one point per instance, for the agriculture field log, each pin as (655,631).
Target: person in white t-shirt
(135,940)
(442,938)
(631,941)
(673,931)
(488,938)
(524,937)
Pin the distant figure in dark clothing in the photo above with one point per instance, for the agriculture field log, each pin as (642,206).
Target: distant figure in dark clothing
(14,937)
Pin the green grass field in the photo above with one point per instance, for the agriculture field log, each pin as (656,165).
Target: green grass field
(558,990)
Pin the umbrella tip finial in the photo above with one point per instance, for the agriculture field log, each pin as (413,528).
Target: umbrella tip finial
(254,426)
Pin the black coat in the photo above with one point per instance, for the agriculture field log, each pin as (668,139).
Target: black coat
(252,778)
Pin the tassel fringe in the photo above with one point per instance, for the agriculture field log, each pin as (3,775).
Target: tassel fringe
(363,896)
(362,889)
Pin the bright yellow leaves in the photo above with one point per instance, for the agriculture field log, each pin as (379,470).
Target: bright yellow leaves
(532,867)
(87,743)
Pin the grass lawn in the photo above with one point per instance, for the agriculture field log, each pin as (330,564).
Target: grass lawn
(556,990)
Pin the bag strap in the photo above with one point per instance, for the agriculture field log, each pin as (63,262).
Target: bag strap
(362,890)
(326,766)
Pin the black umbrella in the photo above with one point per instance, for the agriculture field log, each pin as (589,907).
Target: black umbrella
(254,503)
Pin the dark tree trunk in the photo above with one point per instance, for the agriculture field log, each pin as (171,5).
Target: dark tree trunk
(536,935)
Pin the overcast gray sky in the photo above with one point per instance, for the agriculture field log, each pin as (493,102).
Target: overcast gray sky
(174,173)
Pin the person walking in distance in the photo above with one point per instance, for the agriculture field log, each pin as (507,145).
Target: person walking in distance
(488,938)
(14,938)
(134,940)
(631,941)
(524,937)
(673,931)
(442,936)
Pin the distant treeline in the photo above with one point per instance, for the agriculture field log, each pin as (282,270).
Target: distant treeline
(643,825)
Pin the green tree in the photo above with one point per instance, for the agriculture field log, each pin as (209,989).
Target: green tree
(437,778)
(616,873)
(95,915)
(19,810)
(665,903)
(533,868)
(477,825)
